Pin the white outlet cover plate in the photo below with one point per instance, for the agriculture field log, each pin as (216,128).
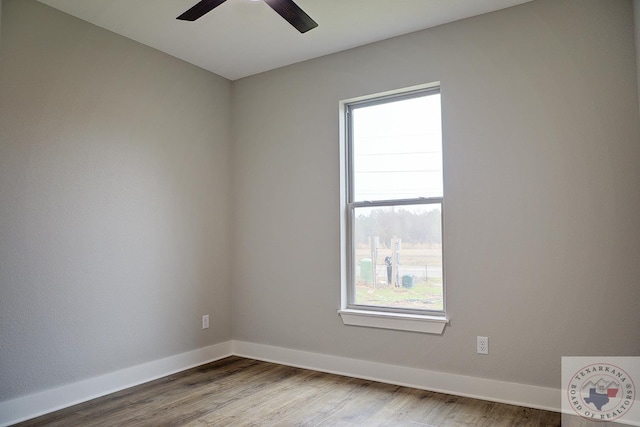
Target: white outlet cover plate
(483,345)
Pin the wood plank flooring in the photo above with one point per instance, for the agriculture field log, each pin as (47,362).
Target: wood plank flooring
(243,392)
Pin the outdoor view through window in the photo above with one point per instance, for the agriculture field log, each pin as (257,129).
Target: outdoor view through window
(395,196)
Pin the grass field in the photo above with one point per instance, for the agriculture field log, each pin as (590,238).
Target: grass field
(422,256)
(426,292)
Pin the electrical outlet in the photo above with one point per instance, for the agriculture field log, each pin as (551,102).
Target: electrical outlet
(205,321)
(483,345)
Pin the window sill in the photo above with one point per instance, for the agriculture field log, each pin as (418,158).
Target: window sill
(396,321)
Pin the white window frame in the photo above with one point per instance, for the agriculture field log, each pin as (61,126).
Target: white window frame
(425,321)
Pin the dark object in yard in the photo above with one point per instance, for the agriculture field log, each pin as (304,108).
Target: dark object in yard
(407,281)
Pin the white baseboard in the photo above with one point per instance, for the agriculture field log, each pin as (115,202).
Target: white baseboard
(34,405)
(479,388)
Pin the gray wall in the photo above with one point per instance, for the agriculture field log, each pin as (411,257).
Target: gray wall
(636,18)
(542,143)
(114,202)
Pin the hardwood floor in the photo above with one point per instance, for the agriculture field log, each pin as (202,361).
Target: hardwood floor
(243,392)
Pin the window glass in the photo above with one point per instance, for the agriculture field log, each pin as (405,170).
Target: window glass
(398,256)
(397,149)
(395,199)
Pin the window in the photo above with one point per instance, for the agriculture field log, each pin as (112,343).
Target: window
(393,203)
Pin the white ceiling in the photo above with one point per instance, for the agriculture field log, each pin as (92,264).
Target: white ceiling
(242,37)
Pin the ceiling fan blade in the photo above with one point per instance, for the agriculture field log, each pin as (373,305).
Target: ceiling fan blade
(201,8)
(293,14)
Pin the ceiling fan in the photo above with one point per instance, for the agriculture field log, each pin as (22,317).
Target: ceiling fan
(285,8)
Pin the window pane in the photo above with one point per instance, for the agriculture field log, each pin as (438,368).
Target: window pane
(398,257)
(397,149)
